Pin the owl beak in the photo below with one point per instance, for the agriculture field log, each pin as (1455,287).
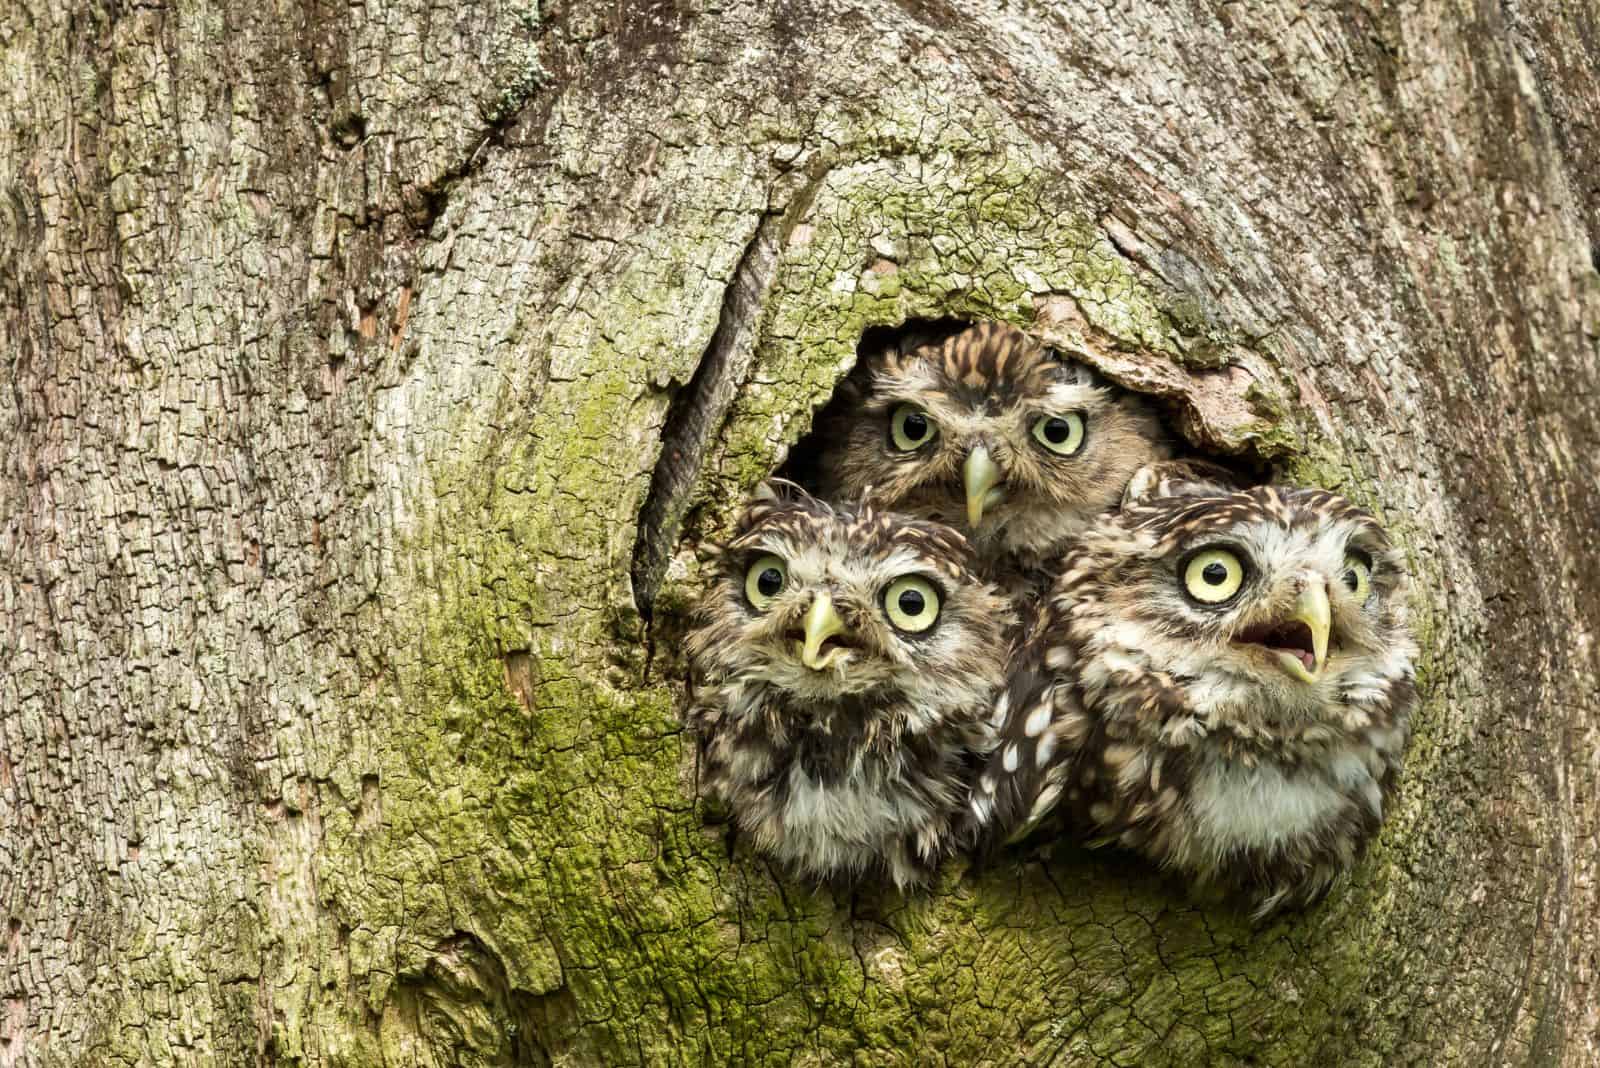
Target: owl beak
(822,623)
(1311,608)
(981,476)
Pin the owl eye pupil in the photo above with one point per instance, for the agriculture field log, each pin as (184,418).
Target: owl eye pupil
(915,426)
(1215,574)
(1057,430)
(912,604)
(769,582)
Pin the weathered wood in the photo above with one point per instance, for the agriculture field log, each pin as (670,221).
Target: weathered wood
(339,347)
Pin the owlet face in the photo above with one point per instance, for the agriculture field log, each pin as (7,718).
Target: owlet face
(1270,607)
(825,604)
(991,432)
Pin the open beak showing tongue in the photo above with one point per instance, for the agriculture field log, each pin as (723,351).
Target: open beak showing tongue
(1299,643)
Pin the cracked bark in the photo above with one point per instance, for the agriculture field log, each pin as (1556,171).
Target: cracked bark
(339,346)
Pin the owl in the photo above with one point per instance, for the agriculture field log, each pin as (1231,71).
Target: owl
(1221,681)
(987,430)
(845,661)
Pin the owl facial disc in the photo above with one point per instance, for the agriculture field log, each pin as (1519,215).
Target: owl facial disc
(818,651)
(1299,643)
(981,478)
(985,428)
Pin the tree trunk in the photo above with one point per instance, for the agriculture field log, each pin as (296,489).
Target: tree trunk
(373,374)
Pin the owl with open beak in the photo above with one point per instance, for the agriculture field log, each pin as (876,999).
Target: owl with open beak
(845,663)
(1221,681)
(987,430)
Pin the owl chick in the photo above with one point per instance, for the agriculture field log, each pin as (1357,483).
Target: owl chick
(846,662)
(1220,681)
(990,431)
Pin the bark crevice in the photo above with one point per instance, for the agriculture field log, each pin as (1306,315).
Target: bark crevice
(698,408)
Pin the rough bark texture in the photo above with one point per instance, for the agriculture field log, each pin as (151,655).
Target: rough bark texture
(344,343)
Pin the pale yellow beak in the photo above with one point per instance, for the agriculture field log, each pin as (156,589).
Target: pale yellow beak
(981,476)
(822,623)
(1311,609)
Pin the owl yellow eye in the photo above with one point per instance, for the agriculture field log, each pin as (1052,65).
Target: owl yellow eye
(910,428)
(1357,576)
(764,580)
(1213,575)
(912,603)
(1061,434)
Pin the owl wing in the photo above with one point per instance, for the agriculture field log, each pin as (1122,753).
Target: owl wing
(1040,723)
(704,717)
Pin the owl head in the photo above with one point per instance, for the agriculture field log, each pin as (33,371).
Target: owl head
(1273,609)
(827,603)
(988,430)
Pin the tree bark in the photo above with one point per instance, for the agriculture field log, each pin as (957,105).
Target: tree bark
(373,374)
